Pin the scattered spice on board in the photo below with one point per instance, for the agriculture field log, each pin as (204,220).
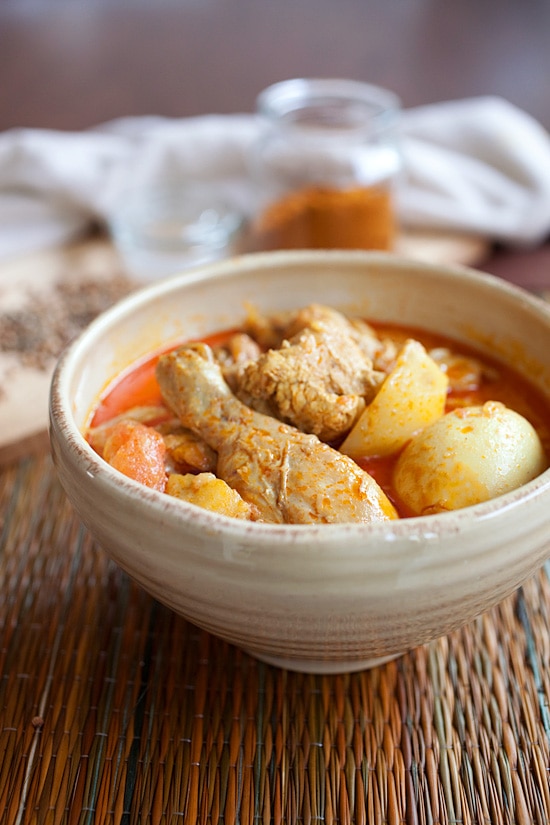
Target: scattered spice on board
(41,329)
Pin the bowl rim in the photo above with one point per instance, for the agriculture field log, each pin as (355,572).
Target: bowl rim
(62,421)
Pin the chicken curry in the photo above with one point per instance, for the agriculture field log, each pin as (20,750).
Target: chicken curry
(313,417)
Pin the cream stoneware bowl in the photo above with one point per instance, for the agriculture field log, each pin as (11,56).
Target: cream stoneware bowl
(320,598)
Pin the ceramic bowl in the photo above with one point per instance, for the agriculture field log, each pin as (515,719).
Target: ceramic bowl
(319,598)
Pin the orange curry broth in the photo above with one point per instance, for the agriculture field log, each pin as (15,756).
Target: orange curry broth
(137,386)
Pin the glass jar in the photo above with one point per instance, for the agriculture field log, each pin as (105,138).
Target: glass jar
(325,166)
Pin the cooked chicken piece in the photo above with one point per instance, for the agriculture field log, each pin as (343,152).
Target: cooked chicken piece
(186,450)
(289,476)
(271,330)
(268,330)
(319,380)
(384,359)
(465,373)
(238,350)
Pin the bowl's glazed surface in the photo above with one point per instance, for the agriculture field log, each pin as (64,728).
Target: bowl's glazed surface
(319,598)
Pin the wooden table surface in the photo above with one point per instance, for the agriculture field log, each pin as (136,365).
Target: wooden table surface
(111,708)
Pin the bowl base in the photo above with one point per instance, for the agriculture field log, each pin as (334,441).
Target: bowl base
(323,666)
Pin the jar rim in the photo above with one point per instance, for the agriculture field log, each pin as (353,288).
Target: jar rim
(289,100)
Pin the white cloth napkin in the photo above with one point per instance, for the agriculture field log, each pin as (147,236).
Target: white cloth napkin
(479,165)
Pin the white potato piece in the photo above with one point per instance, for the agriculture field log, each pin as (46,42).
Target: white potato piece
(411,397)
(209,492)
(468,456)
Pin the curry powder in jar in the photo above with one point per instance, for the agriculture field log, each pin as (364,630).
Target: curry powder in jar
(326,164)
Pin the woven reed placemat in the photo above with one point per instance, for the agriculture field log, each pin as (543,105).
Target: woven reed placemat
(114,710)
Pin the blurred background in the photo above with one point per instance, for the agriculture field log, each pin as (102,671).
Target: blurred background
(70,64)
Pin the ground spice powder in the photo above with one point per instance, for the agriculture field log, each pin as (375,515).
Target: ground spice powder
(318,217)
(38,332)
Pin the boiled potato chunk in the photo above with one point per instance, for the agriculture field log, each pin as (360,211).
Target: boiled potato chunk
(411,397)
(209,492)
(468,456)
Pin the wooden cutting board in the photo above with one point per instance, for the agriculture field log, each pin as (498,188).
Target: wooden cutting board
(48,297)
(45,300)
